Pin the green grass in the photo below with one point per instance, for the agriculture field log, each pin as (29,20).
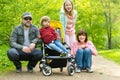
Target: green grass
(113,55)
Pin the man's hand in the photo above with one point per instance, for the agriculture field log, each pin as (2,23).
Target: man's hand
(26,49)
(32,46)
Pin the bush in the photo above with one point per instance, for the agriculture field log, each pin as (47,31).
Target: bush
(5,63)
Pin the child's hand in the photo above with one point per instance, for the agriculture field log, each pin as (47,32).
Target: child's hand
(58,38)
(82,46)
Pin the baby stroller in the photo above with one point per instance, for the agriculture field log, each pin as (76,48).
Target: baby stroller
(52,59)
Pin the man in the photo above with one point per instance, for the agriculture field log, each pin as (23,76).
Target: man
(23,44)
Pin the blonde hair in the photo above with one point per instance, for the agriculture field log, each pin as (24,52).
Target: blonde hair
(66,12)
(44,18)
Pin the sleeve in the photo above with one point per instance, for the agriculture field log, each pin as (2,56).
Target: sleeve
(92,48)
(62,20)
(37,32)
(37,35)
(13,40)
(40,31)
(74,48)
(75,15)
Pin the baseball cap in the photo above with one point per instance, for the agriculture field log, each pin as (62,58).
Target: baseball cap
(26,14)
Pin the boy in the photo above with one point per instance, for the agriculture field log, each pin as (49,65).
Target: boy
(50,37)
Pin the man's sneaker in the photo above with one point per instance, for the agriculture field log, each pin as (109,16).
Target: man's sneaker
(18,70)
(77,70)
(30,70)
(89,70)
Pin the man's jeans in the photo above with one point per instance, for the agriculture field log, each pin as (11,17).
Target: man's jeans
(83,58)
(17,55)
(58,46)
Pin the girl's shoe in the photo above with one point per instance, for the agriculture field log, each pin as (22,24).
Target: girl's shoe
(77,70)
(89,70)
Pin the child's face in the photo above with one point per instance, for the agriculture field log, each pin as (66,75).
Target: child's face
(82,38)
(68,6)
(46,23)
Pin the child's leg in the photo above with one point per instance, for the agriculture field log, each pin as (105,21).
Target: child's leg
(54,47)
(87,58)
(60,45)
(79,58)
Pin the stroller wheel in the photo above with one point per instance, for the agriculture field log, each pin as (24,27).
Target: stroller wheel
(71,70)
(47,71)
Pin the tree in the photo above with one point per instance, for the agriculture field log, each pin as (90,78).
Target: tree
(108,6)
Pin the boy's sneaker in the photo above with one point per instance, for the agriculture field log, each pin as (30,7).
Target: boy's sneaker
(30,70)
(77,70)
(89,70)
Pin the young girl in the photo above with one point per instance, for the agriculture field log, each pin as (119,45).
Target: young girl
(83,50)
(50,37)
(68,18)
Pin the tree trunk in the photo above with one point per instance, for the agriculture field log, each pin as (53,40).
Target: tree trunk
(107,15)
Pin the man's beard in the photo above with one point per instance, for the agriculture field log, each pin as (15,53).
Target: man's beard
(27,25)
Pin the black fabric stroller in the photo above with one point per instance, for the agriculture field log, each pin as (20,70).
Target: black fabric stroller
(52,59)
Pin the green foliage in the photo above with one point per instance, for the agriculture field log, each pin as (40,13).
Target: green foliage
(112,55)
(90,17)
(5,63)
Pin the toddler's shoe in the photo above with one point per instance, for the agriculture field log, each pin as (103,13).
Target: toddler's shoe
(62,54)
(49,61)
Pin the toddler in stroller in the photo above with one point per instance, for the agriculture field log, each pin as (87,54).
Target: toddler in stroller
(55,54)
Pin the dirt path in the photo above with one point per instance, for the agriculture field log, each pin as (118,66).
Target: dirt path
(103,70)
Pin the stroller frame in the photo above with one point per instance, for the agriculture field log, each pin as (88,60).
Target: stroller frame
(52,59)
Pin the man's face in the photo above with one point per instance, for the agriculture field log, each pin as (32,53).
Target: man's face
(27,21)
